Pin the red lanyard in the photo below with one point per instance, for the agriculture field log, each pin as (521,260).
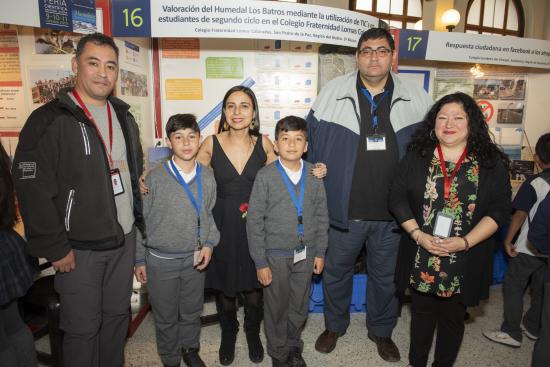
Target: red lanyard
(90,117)
(446,180)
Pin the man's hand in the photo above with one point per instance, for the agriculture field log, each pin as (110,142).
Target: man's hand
(264,276)
(204,258)
(141,273)
(318,265)
(65,264)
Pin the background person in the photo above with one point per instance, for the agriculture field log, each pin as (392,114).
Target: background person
(16,277)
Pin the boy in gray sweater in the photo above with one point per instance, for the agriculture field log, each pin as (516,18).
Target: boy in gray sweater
(180,238)
(287,227)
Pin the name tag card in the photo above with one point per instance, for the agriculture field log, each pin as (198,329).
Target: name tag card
(118,187)
(376,142)
(299,254)
(443,225)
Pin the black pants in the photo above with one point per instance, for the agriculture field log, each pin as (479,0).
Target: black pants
(428,312)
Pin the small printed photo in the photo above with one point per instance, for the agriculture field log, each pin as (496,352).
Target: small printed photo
(46,83)
(512,89)
(486,88)
(133,84)
(521,169)
(55,42)
(510,113)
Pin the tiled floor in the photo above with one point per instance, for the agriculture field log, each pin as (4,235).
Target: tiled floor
(353,349)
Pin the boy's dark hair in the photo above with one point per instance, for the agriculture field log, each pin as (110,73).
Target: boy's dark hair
(290,123)
(181,121)
(97,39)
(542,149)
(375,34)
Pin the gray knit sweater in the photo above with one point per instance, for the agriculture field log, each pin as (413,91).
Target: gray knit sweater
(272,223)
(170,217)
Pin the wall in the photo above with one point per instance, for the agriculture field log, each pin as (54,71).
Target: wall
(36,66)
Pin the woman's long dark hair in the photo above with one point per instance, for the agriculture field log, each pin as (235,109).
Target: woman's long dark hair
(255,127)
(8,216)
(479,143)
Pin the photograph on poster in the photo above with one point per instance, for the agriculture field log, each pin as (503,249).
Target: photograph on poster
(512,89)
(486,88)
(444,86)
(510,113)
(521,169)
(132,53)
(55,42)
(133,84)
(46,83)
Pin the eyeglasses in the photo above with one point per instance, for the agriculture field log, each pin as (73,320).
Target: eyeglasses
(380,52)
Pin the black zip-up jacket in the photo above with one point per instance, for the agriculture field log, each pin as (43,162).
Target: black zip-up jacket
(62,179)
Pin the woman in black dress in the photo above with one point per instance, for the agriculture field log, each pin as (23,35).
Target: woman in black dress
(236,154)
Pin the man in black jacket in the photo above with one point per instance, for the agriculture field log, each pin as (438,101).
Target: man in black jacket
(76,172)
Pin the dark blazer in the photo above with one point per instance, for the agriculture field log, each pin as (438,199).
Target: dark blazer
(493,200)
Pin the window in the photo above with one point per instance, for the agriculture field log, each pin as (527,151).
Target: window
(397,13)
(495,17)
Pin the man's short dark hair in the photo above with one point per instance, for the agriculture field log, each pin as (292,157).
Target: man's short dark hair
(182,121)
(375,34)
(97,39)
(290,123)
(542,149)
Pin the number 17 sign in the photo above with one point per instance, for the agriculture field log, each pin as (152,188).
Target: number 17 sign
(413,44)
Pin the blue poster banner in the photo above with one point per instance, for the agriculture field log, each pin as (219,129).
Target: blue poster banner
(68,15)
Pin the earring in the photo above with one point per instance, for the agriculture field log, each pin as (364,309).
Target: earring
(252,125)
(432,135)
(225,126)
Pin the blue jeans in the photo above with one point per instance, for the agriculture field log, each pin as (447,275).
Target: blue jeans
(381,239)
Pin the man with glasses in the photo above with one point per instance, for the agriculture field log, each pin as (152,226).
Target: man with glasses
(369,115)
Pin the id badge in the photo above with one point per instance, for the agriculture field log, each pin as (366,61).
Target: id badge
(118,187)
(376,142)
(300,253)
(443,225)
(196,256)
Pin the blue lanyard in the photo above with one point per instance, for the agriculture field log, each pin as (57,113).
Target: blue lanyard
(196,203)
(298,202)
(374,106)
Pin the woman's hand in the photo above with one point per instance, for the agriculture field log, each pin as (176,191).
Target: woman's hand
(319,170)
(431,244)
(452,244)
(142,187)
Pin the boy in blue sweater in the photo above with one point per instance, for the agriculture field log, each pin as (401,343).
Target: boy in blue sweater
(180,238)
(526,264)
(287,227)
(539,236)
